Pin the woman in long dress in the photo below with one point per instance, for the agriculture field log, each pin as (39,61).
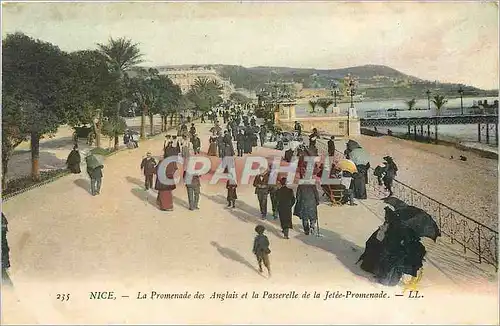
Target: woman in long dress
(74,160)
(212,148)
(165,198)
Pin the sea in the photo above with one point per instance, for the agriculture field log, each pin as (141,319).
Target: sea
(466,133)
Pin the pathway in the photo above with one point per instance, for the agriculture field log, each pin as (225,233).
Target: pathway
(65,241)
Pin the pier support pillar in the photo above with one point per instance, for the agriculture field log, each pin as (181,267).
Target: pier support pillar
(429,133)
(487,133)
(496,133)
(409,131)
(478,132)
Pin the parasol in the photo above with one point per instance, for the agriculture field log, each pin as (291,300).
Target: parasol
(346,165)
(94,161)
(359,156)
(351,144)
(419,221)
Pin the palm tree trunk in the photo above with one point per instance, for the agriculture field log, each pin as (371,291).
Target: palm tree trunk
(151,124)
(97,132)
(171,119)
(5,164)
(35,156)
(117,143)
(143,121)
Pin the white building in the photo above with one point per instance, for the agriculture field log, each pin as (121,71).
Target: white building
(185,77)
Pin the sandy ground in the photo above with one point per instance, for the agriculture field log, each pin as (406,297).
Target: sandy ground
(470,187)
(64,241)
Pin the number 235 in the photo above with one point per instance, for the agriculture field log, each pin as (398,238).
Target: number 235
(62,296)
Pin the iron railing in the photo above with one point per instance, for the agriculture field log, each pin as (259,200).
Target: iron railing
(470,234)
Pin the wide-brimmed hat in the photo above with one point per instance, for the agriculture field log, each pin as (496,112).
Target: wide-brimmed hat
(387,158)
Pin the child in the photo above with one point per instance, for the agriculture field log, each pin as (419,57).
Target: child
(261,249)
(231,192)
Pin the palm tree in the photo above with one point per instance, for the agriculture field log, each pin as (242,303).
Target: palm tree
(121,55)
(439,101)
(411,104)
(205,93)
(312,104)
(325,103)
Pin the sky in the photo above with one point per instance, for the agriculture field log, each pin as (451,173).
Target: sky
(445,41)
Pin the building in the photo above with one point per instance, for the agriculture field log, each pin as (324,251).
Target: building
(185,77)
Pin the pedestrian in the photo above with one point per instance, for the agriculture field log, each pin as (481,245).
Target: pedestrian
(95,175)
(196,141)
(5,252)
(286,200)
(192,130)
(262,135)
(193,188)
(331,146)
(148,165)
(298,128)
(240,143)
(74,160)
(313,138)
(261,190)
(390,172)
(203,118)
(261,249)
(346,180)
(165,198)
(220,145)
(231,192)
(307,206)
(273,188)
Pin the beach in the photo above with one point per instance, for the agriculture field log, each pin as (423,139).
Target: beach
(470,187)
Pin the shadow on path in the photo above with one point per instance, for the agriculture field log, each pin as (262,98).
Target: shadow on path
(84,184)
(346,252)
(245,213)
(135,181)
(145,196)
(233,255)
(181,202)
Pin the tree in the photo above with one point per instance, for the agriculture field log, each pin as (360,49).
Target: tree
(114,126)
(439,101)
(35,84)
(94,89)
(239,98)
(411,104)
(14,130)
(313,104)
(324,103)
(121,55)
(205,93)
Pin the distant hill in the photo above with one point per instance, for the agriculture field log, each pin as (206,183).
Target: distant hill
(375,81)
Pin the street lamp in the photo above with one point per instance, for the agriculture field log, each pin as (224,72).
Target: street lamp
(461,92)
(428,98)
(335,92)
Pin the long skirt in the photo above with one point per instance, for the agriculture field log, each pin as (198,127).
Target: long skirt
(165,200)
(212,149)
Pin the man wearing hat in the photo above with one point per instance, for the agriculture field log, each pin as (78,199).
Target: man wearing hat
(148,165)
(390,173)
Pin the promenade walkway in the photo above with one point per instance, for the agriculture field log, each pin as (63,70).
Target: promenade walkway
(63,240)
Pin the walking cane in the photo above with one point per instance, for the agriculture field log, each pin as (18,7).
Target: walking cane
(317,227)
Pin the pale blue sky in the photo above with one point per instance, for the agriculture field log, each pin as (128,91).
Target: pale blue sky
(452,42)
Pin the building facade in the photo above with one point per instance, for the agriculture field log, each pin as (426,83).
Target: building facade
(186,76)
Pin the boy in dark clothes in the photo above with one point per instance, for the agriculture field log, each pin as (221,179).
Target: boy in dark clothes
(261,249)
(231,193)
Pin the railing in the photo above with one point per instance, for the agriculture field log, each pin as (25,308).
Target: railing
(470,234)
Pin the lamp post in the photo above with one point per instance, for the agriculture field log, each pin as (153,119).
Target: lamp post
(428,92)
(461,92)
(335,92)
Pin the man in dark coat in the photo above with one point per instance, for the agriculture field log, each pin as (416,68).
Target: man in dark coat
(95,175)
(240,143)
(5,252)
(74,160)
(313,138)
(193,188)
(261,190)
(262,135)
(298,128)
(286,200)
(288,155)
(307,206)
(192,131)
(148,165)
(196,144)
(220,145)
(389,173)
(331,146)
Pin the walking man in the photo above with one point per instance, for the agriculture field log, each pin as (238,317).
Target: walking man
(286,200)
(261,190)
(95,175)
(148,165)
(193,188)
(331,146)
